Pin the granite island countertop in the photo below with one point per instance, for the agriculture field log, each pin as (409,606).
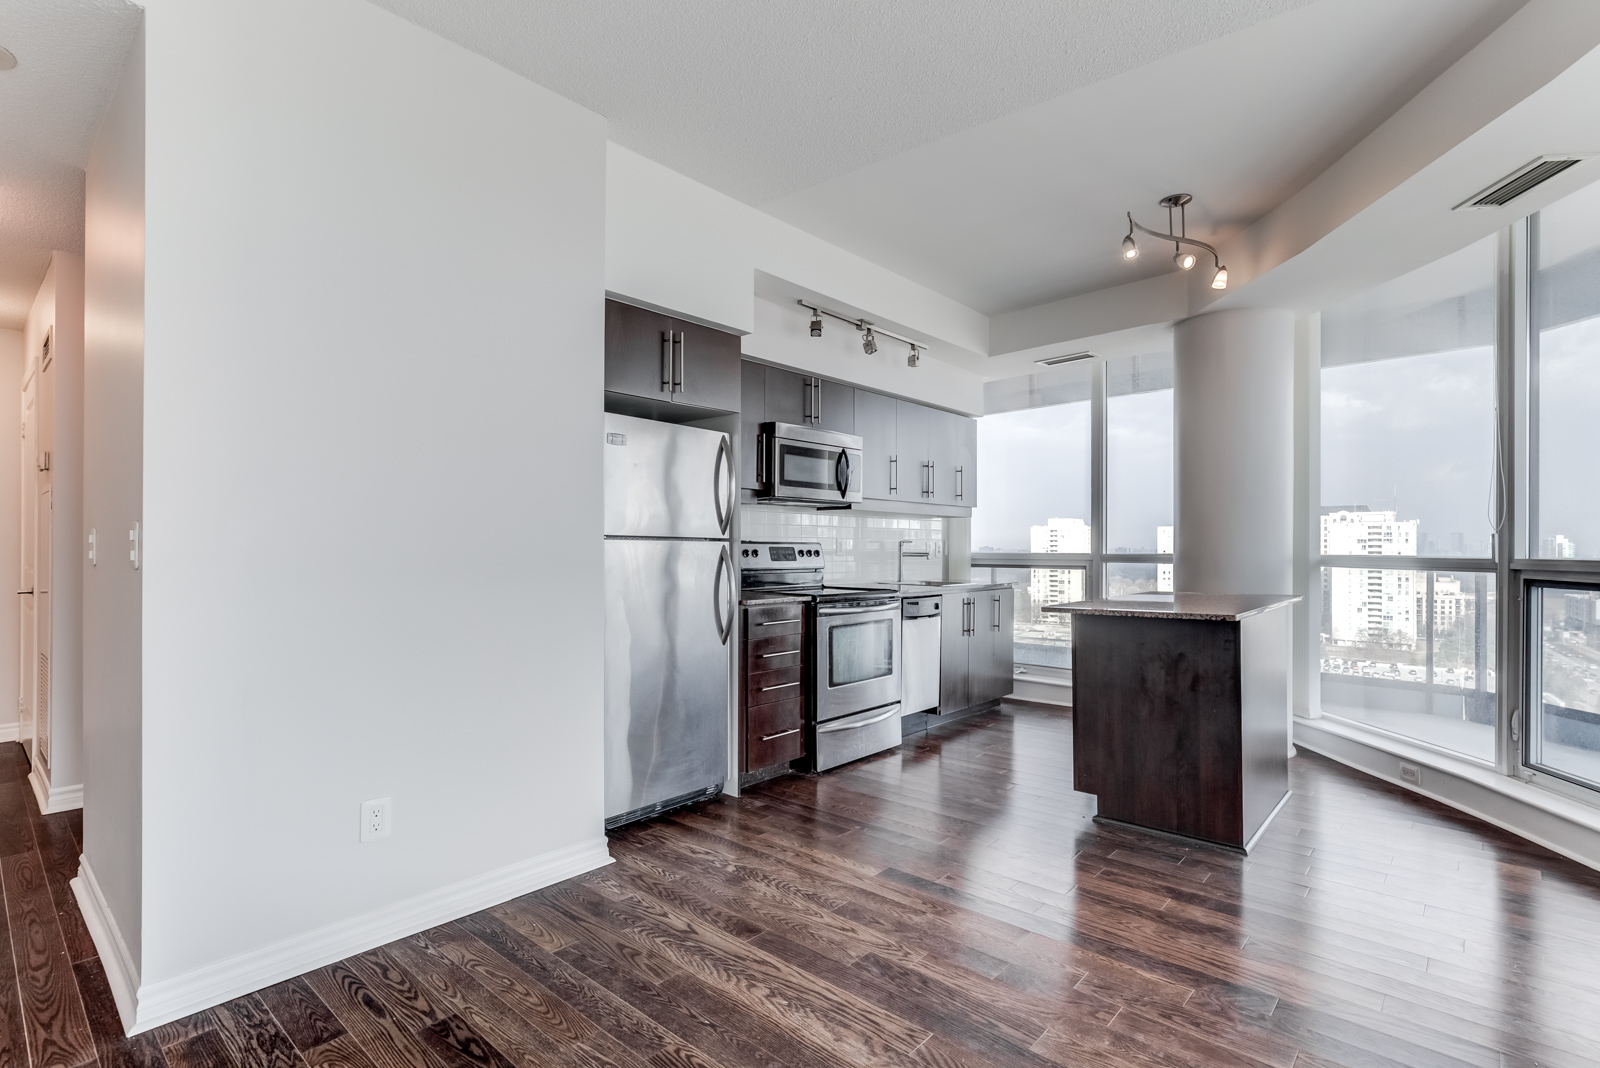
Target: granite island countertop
(1220,607)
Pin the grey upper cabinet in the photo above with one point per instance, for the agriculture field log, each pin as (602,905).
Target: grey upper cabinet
(952,453)
(659,358)
(911,452)
(875,423)
(835,407)
(752,405)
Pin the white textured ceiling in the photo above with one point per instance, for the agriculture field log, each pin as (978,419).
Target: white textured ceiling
(68,55)
(984,149)
(1029,207)
(761,98)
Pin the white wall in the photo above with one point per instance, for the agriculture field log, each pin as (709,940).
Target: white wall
(682,246)
(374,283)
(11,361)
(113,492)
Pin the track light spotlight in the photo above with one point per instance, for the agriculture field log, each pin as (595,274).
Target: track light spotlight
(1130,250)
(911,360)
(816,324)
(869,343)
(1220,279)
(1184,260)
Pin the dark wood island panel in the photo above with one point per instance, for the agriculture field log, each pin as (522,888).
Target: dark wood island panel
(1180,718)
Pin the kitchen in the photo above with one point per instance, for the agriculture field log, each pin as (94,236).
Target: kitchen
(782,596)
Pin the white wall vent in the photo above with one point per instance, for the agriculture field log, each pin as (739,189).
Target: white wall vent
(1521,181)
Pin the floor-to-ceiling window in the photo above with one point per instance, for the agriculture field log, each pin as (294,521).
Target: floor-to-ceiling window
(1407,473)
(1559,539)
(1077,493)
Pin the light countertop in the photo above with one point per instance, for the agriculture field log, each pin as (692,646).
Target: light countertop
(1221,607)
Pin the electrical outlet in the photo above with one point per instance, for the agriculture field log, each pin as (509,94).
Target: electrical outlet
(1411,774)
(375,819)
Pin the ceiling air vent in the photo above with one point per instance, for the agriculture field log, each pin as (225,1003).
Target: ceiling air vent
(1054,361)
(1520,181)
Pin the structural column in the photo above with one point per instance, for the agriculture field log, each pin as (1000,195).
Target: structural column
(1234,438)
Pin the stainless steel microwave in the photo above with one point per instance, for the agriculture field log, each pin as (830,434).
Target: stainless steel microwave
(806,465)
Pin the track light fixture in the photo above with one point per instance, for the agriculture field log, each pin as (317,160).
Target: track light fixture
(1179,237)
(869,332)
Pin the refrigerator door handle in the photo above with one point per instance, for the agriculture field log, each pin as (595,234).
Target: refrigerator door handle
(722,483)
(724,575)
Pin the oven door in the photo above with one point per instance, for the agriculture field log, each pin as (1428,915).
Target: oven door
(857,662)
(800,464)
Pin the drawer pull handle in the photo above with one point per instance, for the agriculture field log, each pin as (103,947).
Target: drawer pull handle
(775,622)
(781,734)
(791,652)
(780,686)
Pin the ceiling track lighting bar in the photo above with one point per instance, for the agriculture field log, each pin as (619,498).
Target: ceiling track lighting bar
(1184,260)
(867,327)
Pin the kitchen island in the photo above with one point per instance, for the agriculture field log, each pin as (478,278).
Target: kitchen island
(1181,711)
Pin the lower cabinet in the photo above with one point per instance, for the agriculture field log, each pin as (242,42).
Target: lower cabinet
(975,654)
(772,686)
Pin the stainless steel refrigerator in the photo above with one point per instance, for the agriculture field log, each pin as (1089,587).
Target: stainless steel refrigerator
(670,604)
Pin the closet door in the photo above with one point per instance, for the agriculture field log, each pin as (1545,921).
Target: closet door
(41,597)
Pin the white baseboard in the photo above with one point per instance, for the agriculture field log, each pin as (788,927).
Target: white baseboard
(1041,690)
(10,732)
(55,798)
(1557,823)
(183,995)
(120,968)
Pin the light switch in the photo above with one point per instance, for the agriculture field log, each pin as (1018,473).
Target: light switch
(133,546)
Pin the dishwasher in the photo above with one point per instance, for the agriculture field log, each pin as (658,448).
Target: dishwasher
(919,645)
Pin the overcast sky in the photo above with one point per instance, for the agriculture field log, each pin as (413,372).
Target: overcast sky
(1035,466)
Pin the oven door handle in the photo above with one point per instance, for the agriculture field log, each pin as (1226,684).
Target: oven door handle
(893,710)
(858,610)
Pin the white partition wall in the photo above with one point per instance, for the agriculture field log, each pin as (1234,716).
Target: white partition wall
(1234,416)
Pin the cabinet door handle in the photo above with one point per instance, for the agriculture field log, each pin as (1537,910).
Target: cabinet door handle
(960,486)
(894,474)
(933,478)
(780,686)
(805,401)
(677,381)
(776,622)
(780,734)
(997,611)
(816,384)
(790,652)
(666,361)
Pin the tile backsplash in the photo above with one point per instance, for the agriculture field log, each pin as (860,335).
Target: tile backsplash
(857,547)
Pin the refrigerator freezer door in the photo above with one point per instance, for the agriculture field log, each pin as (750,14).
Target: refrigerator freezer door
(667,481)
(669,612)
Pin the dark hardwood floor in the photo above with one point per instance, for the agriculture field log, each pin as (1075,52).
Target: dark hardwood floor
(948,903)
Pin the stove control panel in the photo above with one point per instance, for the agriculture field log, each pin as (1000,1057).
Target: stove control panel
(779,555)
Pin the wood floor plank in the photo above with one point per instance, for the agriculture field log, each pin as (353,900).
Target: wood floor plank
(253,1037)
(52,1010)
(204,1049)
(113,1048)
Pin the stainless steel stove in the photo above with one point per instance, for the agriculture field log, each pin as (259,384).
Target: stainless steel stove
(852,650)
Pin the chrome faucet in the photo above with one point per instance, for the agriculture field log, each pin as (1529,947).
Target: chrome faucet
(900,560)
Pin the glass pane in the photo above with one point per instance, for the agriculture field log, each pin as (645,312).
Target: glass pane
(1412,653)
(1564,736)
(1135,580)
(1408,411)
(860,651)
(1035,465)
(1565,380)
(810,468)
(1043,639)
(1139,447)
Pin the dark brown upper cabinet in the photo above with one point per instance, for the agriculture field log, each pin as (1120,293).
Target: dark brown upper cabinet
(657,357)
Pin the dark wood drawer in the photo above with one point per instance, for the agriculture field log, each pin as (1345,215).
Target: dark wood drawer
(762,721)
(765,645)
(765,687)
(764,754)
(762,619)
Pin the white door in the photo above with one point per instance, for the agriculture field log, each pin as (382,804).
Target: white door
(41,598)
(26,682)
